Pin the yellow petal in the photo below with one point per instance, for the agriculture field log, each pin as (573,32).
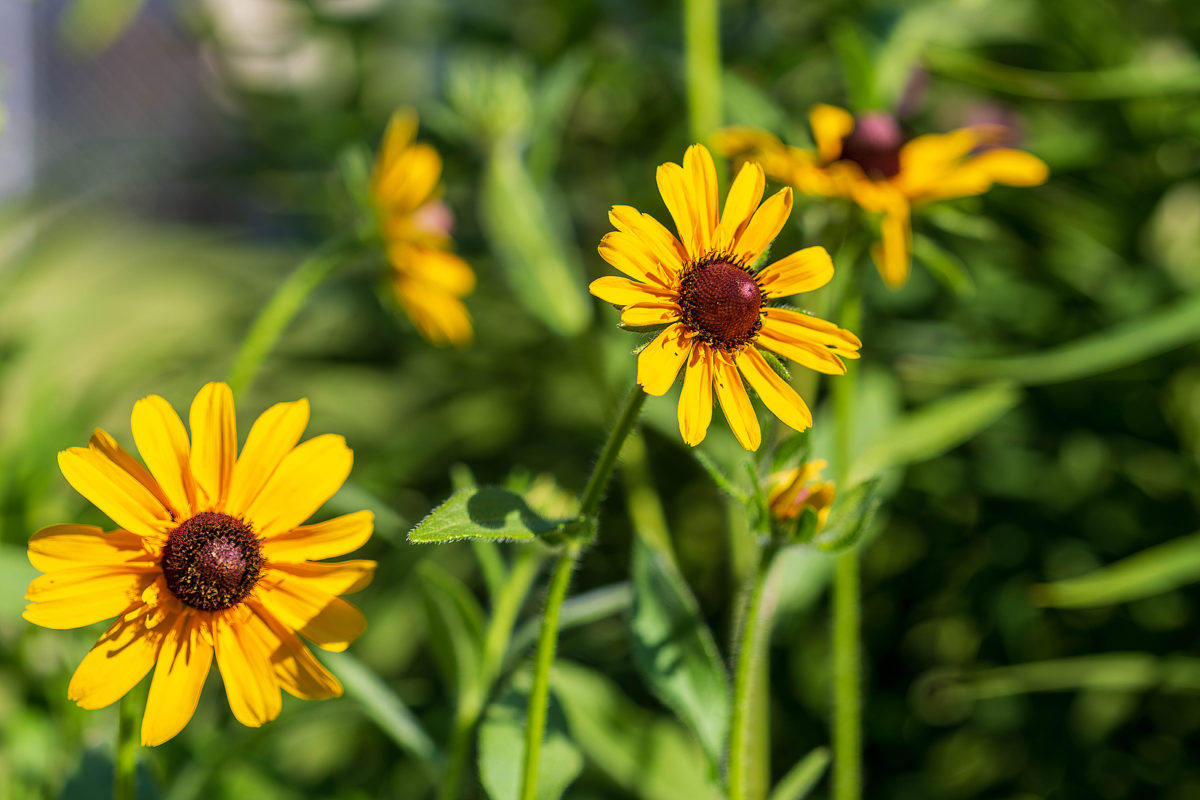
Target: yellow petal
(328,539)
(401,130)
(802,271)
(296,668)
(121,496)
(798,325)
(163,443)
(673,185)
(702,175)
(443,270)
(183,664)
(409,180)
(660,242)
(804,353)
(764,226)
(976,175)
(304,480)
(439,316)
(60,547)
(632,256)
(776,394)
(246,671)
(659,362)
(72,598)
(736,404)
(214,444)
(744,197)
(108,446)
(893,254)
(326,620)
(118,662)
(272,437)
(624,292)
(695,401)
(342,577)
(830,125)
(643,315)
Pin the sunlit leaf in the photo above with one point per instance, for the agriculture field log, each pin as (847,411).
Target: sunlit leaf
(502,748)
(382,705)
(803,778)
(484,512)
(455,624)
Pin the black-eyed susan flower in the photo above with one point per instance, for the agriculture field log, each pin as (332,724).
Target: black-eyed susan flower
(869,160)
(705,287)
(211,560)
(791,492)
(429,281)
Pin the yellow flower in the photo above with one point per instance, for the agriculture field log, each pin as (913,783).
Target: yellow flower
(792,491)
(867,160)
(704,288)
(428,279)
(210,559)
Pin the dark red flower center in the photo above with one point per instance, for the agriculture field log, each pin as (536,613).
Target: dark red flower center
(720,302)
(212,561)
(874,145)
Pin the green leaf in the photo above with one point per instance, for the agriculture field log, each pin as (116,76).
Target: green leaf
(850,517)
(382,705)
(455,624)
(803,777)
(502,747)
(647,755)
(858,67)
(675,652)
(943,265)
(1124,344)
(1159,569)
(486,512)
(792,451)
(935,428)
(776,364)
(1113,671)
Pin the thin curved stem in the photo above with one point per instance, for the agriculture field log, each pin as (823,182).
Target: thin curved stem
(283,306)
(593,492)
(755,623)
(125,762)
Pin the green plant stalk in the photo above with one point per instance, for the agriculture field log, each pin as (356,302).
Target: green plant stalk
(495,643)
(125,763)
(751,640)
(847,699)
(702,48)
(282,308)
(593,492)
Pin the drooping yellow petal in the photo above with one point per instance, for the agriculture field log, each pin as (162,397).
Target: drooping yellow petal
(214,444)
(108,446)
(304,480)
(798,325)
(802,271)
(272,437)
(644,315)
(673,185)
(659,362)
(342,577)
(776,394)
(246,671)
(739,412)
(804,353)
(163,443)
(702,175)
(695,401)
(441,269)
(764,226)
(73,598)
(65,546)
(410,179)
(326,620)
(439,316)
(744,197)
(624,292)
(667,250)
(296,668)
(977,174)
(328,539)
(121,496)
(183,663)
(633,256)
(118,662)
(830,125)
(893,253)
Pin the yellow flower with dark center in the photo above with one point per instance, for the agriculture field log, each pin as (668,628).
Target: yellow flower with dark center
(868,160)
(210,560)
(428,279)
(703,286)
(791,492)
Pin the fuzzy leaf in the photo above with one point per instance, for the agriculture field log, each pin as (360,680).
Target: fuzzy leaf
(502,748)
(486,512)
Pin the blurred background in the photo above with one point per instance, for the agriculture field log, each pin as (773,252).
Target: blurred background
(163,164)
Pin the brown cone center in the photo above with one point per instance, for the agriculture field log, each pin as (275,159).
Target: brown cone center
(720,302)
(874,145)
(211,561)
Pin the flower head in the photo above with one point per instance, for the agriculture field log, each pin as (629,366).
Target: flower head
(210,560)
(429,280)
(792,492)
(869,160)
(705,287)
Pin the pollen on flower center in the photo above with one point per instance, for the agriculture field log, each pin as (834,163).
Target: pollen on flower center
(211,561)
(720,302)
(874,145)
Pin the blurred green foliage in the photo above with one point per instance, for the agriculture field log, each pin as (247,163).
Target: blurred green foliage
(547,113)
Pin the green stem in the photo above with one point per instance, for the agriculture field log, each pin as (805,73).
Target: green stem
(593,492)
(125,764)
(702,47)
(751,639)
(283,306)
